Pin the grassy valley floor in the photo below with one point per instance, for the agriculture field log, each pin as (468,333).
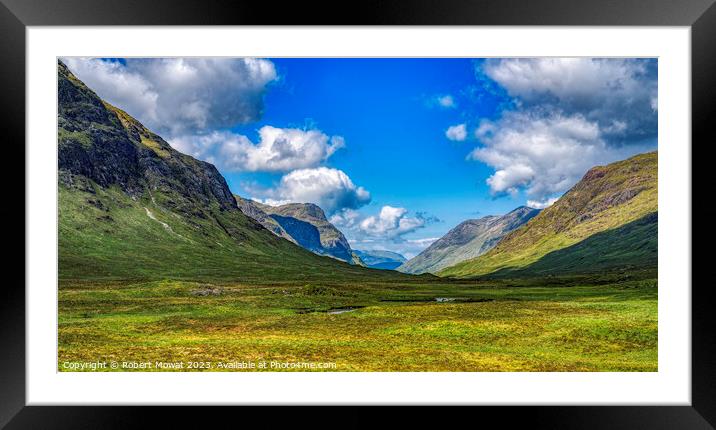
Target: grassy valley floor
(576,324)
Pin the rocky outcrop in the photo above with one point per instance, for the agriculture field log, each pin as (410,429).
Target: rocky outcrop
(106,145)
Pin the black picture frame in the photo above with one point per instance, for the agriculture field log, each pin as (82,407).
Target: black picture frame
(16,15)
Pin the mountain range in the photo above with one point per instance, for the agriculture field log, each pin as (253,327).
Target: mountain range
(304,224)
(469,239)
(607,221)
(132,207)
(378,259)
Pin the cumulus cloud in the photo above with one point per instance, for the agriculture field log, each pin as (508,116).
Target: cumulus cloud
(618,94)
(278,149)
(568,114)
(392,222)
(347,218)
(175,96)
(331,189)
(536,204)
(457,132)
(543,154)
(385,230)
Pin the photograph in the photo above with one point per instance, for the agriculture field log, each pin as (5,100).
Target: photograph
(357,214)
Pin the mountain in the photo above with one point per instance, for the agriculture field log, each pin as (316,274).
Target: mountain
(381,259)
(607,221)
(630,246)
(469,239)
(258,212)
(132,207)
(304,224)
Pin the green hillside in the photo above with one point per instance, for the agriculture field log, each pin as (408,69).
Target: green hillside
(161,269)
(607,198)
(625,248)
(131,207)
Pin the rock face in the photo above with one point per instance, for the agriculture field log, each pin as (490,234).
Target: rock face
(304,224)
(386,260)
(132,207)
(258,212)
(469,239)
(620,197)
(104,144)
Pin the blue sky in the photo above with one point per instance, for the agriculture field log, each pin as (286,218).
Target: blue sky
(394,129)
(396,151)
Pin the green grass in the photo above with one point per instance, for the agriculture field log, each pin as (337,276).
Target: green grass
(65,137)
(156,263)
(105,235)
(132,289)
(565,324)
(597,203)
(628,247)
(211,286)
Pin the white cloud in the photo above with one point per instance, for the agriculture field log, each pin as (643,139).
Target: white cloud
(578,81)
(390,223)
(442,101)
(175,96)
(536,204)
(407,248)
(271,202)
(424,242)
(446,101)
(569,114)
(331,189)
(278,149)
(485,128)
(606,91)
(457,132)
(386,230)
(543,153)
(347,218)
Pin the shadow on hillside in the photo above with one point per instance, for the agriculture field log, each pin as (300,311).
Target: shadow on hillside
(632,246)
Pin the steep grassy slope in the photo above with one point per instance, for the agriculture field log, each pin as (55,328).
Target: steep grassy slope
(606,198)
(632,246)
(469,239)
(132,207)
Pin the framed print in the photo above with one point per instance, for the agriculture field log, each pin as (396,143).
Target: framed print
(410,204)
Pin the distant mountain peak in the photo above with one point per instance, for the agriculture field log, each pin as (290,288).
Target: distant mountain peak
(381,259)
(467,240)
(607,198)
(522,208)
(303,210)
(304,224)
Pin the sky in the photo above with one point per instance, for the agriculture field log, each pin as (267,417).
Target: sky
(396,151)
